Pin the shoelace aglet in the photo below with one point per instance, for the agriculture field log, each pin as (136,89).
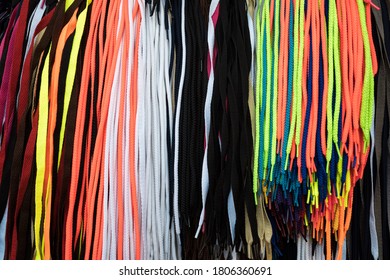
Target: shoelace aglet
(369,2)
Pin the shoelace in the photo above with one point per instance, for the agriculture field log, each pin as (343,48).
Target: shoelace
(181,73)
(128,225)
(136,16)
(139,148)
(368,82)
(275,87)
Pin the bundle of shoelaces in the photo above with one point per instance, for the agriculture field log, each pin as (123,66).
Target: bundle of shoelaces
(194,129)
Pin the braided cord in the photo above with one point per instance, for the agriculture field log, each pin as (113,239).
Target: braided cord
(298,77)
(257,107)
(275,86)
(263,91)
(366,111)
(331,16)
(337,76)
(288,120)
(294,80)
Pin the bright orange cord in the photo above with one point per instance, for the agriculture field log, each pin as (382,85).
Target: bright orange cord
(77,148)
(133,106)
(315,88)
(325,65)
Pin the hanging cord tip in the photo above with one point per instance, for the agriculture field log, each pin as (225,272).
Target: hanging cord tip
(369,2)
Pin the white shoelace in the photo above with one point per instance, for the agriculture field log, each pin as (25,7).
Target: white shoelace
(149,188)
(140,132)
(166,120)
(373,232)
(162,144)
(128,232)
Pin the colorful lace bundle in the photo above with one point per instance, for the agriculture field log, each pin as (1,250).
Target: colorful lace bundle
(314,111)
(192,129)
